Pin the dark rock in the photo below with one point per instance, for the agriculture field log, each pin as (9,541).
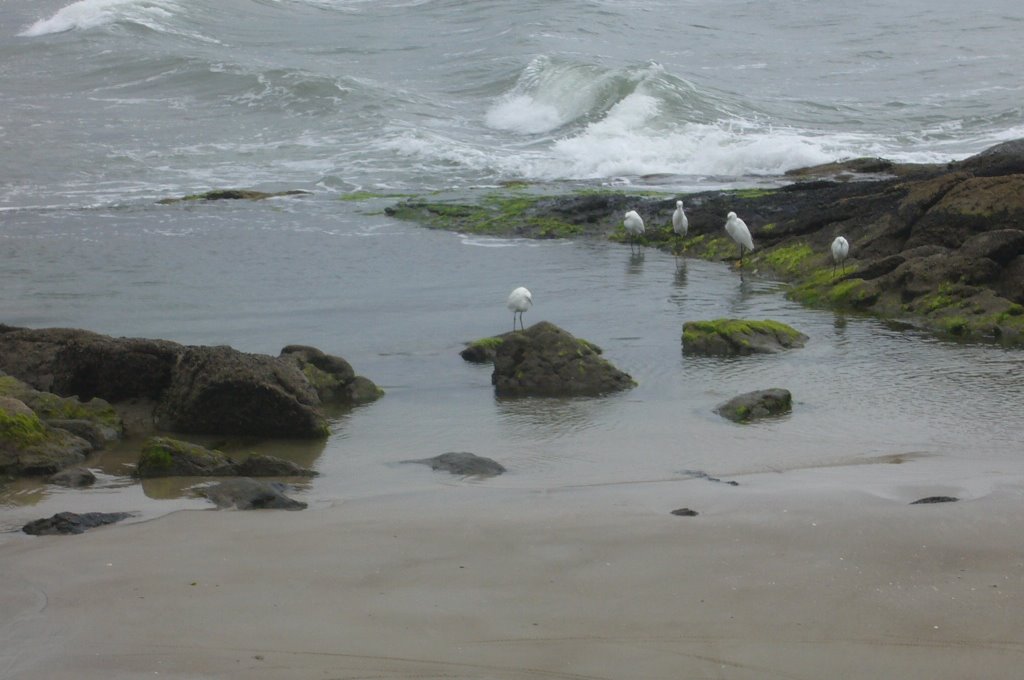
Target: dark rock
(28,446)
(250,494)
(96,434)
(700,474)
(233,195)
(879,267)
(685,512)
(999,245)
(756,405)
(462,463)
(545,360)
(1011,282)
(1001,159)
(75,477)
(72,523)
(219,390)
(727,337)
(166,457)
(259,465)
(935,499)
(332,377)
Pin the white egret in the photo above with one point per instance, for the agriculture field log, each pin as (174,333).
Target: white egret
(634,225)
(680,225)
(519,301)
(738,232)
(840,249)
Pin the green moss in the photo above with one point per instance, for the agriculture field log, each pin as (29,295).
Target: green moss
(787,260)
(768,228)
(21,429)
(49,406)
(488,343)
(737,328)
(496,214)
(956,325)
(752,193)
(366,196)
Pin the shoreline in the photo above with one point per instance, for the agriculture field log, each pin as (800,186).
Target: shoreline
(811,573)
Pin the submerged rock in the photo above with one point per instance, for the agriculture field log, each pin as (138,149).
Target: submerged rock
(233,195)
(260,465)
(167,457)
(250,494)
(75,477)
(935,499)
(756,405)
(726,337)
(545,360)
(72,523)
(463,463)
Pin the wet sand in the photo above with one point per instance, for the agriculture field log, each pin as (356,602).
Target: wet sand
(816,573)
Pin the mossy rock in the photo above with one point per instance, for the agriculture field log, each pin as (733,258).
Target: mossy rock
(482,351)
(753,406)
(233,195)
(167,457)
(727,337)
(28,446)
(49,406)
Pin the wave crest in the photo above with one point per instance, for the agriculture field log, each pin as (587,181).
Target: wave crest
(87,14)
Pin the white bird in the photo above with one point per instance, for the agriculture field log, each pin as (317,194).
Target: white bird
(680,224)
(634,225)
(738,232)
(519,301)
(840,249)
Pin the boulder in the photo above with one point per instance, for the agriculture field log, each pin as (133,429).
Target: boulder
(72,523)
(482,351)
(545,360)
(727,337)
(94,420)
(166,457)
(219,390)
(75,477)
(28,446)
(756,405)
(1001,159)
(332,377)
(250,494)
(463,463)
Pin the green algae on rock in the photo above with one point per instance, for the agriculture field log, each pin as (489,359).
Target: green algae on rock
(729,337)
(757,405)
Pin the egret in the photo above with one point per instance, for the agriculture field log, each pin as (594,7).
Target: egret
(738,232)
(634,225)
(680,225)
(518,302)
(840,249)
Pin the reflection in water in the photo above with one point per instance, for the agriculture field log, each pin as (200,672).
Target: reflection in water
(679,280)
(636,261)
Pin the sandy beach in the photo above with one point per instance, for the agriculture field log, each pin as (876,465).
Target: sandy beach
(815,573)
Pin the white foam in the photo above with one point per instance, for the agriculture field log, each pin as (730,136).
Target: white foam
(86,14)
(524,114)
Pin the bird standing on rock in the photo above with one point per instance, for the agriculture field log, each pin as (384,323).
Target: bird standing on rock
(634,225)
(519,301)
(840,250)
(738,232)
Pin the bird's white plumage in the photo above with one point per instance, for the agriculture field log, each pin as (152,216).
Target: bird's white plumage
(633,223)
(738,232)
(840,249)
(680,224)
(519,301)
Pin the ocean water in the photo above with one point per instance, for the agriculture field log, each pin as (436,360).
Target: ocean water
(110,105)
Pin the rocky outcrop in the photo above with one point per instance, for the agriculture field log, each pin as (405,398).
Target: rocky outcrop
(545,360)
(250,494)
(72,523)
(167,457)
(756,405)
(196,390)
(463,463)
(219,390)
(729,337)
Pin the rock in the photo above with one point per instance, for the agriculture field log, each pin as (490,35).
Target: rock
(260,465)
(72,523)
(96,434)
(1001,159)
(166,457)
(998,245)
(250,494)
(233,195)
(28,446)
(685,512)
(462,463)
(219,390)
(94,420)
(332,377)
(75,477)
(482,351)
(935,499)
(727,337)
(756,405)
(545,360)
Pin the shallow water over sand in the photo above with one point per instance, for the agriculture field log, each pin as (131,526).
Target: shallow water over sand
(398,302)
